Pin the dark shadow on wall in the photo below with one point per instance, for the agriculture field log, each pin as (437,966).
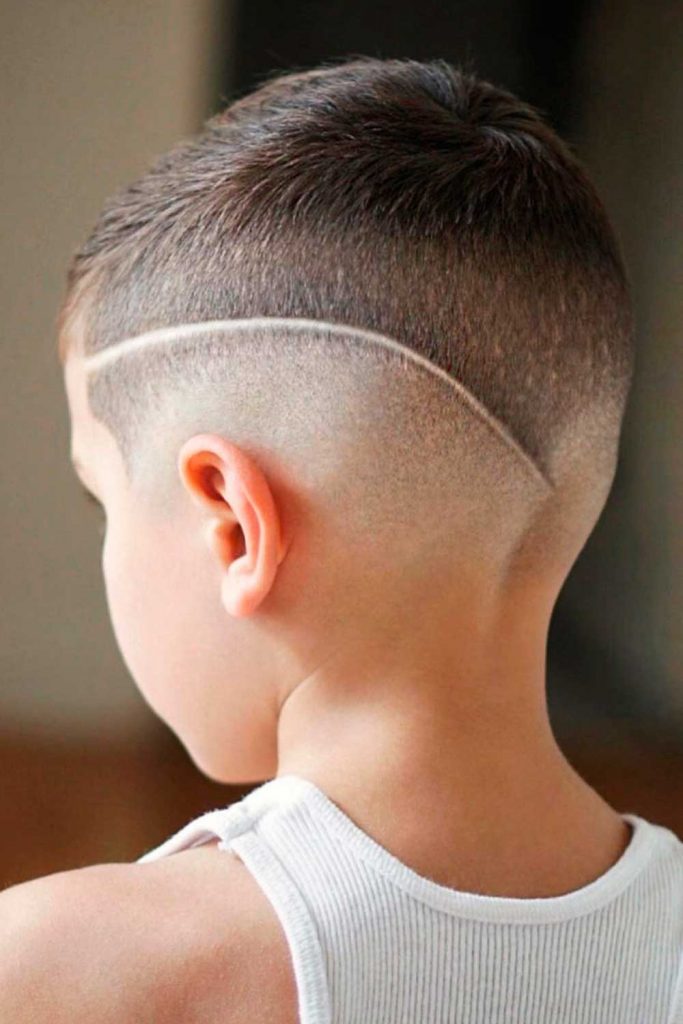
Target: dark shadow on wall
(528,47)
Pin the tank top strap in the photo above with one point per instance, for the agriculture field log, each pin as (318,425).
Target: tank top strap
(225,823)
(236,827)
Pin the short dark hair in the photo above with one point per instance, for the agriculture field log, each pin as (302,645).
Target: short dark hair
(409,197)
(401,195)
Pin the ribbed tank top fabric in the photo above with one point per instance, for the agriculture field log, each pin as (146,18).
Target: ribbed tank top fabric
(373,942)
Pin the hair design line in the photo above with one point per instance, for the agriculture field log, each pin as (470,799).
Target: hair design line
(168,334)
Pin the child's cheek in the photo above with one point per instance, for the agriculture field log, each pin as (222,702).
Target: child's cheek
(128,599)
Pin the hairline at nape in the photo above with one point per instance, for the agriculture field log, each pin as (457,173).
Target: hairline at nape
(97,360)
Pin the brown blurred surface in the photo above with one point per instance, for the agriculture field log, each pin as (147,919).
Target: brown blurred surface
(67,805)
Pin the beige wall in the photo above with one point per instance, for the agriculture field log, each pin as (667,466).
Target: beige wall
(90,93)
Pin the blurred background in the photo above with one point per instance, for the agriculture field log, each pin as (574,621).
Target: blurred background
(90,94)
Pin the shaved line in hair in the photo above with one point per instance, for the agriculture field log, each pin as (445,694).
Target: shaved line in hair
(179,331)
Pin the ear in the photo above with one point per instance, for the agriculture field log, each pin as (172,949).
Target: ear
(244,528)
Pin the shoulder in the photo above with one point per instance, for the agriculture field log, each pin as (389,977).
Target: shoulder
(119,942)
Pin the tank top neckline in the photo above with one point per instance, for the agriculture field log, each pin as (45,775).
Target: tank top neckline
(643,841)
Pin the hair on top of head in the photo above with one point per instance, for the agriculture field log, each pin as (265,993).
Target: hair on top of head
(406,198)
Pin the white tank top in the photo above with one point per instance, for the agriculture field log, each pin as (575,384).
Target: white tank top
(373,942)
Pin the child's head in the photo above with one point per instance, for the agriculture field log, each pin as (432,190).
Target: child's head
(281,498)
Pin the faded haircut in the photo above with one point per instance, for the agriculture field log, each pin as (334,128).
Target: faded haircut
(409,198)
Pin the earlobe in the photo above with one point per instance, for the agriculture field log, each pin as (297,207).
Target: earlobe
(243,581)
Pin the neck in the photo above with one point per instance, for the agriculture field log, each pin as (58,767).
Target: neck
(435,738)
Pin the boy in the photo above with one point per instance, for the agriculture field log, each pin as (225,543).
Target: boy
(347,373)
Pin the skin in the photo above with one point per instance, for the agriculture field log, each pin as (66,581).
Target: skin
(433,705)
